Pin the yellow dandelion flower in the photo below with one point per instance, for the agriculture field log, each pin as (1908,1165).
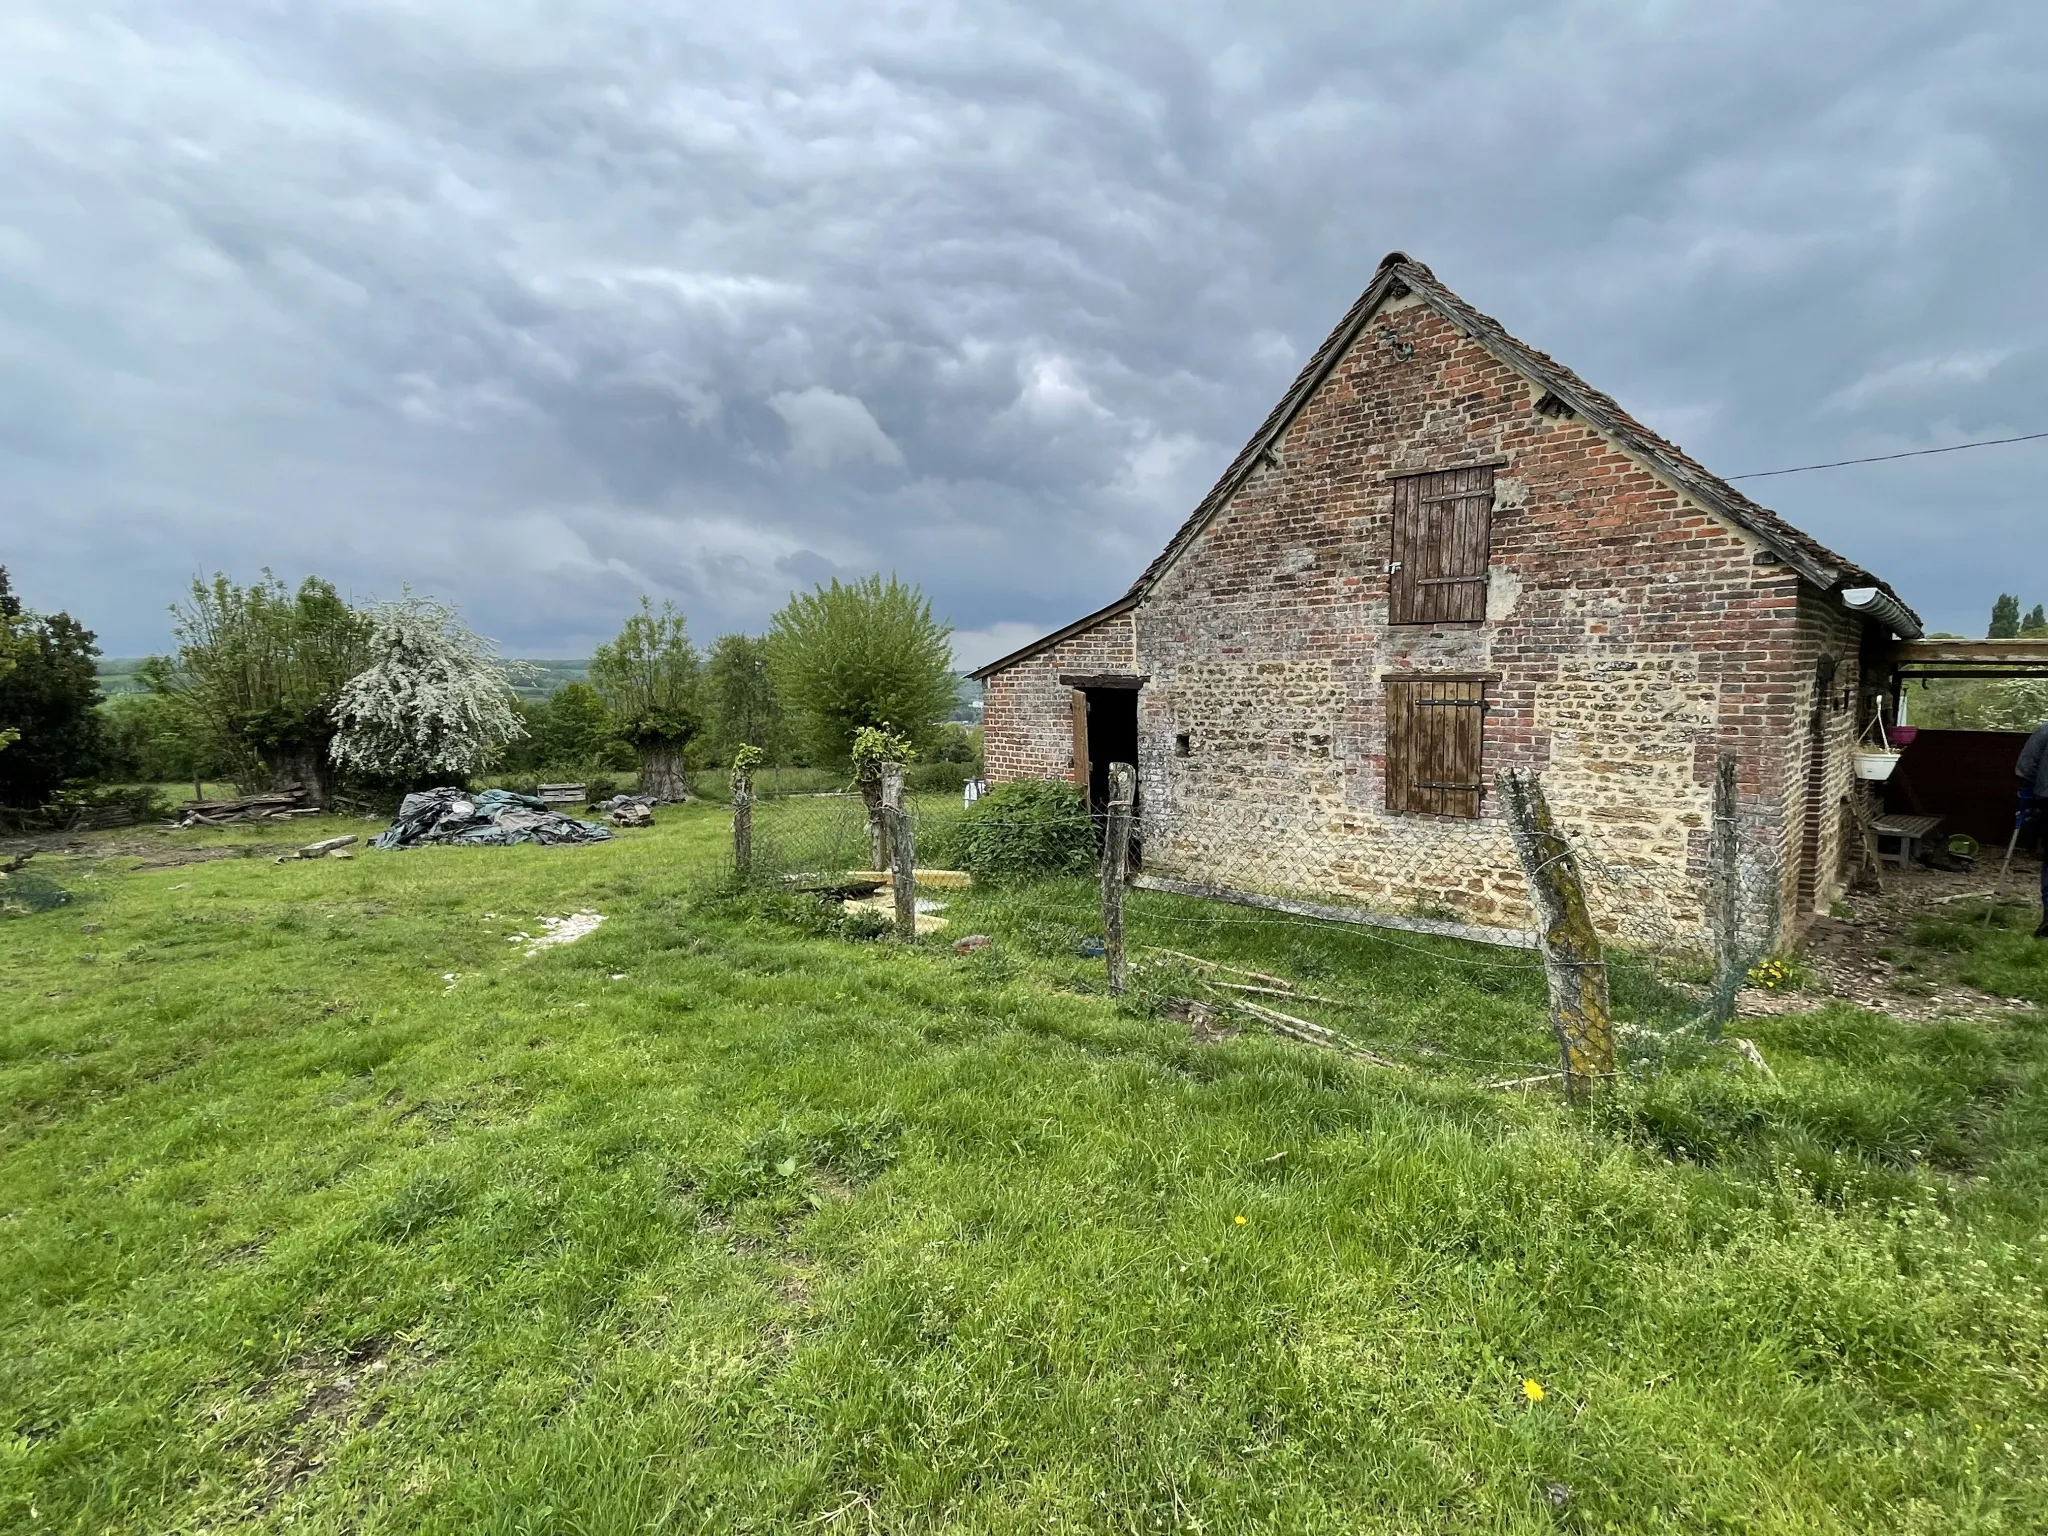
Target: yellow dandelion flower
(1238,1219)
(1532,1389)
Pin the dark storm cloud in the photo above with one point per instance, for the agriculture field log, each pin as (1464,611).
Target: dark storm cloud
(540,307)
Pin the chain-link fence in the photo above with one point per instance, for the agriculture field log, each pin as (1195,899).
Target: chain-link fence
(1642,920)
(1646,907)
(818,840)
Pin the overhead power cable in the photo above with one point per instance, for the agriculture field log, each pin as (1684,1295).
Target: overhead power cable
(1916,453)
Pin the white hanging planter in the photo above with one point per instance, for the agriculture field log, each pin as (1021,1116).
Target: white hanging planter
(1876,763)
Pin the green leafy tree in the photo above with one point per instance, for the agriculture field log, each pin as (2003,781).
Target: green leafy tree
(49,702)
(648,679)
(259,671)
(861,654)
(2036,621)
(151,740)
(580,732)
(434,700)
(2005,618)
(12,645)
(741,706)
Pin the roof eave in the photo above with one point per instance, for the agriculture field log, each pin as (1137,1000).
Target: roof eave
(988,670)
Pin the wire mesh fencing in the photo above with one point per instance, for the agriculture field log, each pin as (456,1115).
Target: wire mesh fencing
(827,839)
(1644,916)
(1626,929)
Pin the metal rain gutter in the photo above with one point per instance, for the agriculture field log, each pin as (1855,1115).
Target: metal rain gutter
(1876,603)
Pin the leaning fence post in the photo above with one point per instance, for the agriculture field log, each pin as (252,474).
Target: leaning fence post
(1729,970)
(902,850)
(872,800)
(1116,865)
(1573,961)
(743,762)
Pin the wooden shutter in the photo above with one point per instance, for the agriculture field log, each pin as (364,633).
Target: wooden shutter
(1443,523)
(1082,767)
(1434,745)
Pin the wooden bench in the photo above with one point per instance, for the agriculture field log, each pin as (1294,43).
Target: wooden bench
(1898,837)
(563,794)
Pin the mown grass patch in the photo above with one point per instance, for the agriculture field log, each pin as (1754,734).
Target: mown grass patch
(327,1207)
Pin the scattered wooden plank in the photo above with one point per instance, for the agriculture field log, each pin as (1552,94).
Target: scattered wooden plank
(1521,1083)
(1747,1050)
(1310,1033)
(1300,997)
(937,879)
(1216,965)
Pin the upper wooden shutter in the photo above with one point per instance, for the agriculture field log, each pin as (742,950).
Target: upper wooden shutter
(1434,745)
(1443,523)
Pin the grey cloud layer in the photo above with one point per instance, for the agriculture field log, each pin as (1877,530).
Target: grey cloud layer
(539,313)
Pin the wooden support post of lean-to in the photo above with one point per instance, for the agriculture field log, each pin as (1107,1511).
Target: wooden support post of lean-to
(1726,850)
(1573,960)
(902,851)
(1116,868)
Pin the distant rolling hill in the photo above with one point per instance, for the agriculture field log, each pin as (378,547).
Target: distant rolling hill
(538,679)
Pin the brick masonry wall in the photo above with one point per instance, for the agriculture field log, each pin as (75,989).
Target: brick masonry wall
(1631,635)
(1027,716)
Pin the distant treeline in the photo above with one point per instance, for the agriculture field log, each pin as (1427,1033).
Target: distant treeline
(269,684)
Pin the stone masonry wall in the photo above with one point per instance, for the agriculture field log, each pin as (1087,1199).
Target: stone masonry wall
(1028,730)
(1631,635)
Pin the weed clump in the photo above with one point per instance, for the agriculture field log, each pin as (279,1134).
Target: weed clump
(1026,829)
(793,1166)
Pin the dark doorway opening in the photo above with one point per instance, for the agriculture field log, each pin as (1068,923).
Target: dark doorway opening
(1112,738)
(1105,732)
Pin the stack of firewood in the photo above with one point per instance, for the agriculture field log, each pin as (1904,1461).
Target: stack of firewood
(272,805)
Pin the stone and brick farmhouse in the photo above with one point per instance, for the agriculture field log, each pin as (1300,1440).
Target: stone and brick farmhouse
(1441,555)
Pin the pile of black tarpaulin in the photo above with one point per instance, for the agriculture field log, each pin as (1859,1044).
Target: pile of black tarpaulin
(487,816)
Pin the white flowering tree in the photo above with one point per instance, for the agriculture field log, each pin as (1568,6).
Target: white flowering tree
(434,699)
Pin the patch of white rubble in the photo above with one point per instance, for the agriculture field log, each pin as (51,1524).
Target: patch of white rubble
(558,930)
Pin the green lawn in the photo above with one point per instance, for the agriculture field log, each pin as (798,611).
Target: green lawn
(325,1207)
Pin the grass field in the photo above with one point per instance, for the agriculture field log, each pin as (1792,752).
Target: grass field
(327,1207)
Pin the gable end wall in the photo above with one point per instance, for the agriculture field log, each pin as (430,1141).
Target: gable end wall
(1027,713)
(1631,635)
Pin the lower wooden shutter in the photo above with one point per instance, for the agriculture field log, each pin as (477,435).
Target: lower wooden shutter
(1435,745)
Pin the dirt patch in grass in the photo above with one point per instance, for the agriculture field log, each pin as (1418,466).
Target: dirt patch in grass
(338,1396)
(1901,950)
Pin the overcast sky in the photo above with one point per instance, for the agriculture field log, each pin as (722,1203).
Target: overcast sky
(538,307)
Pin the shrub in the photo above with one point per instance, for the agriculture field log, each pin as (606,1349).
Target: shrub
(1026,829)
(936,778)
(76,805)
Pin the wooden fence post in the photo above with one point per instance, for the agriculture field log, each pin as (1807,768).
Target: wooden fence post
(1573,961)
(902,851)
(873,797)
(1726,893)
(743,814)
(1116,867)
